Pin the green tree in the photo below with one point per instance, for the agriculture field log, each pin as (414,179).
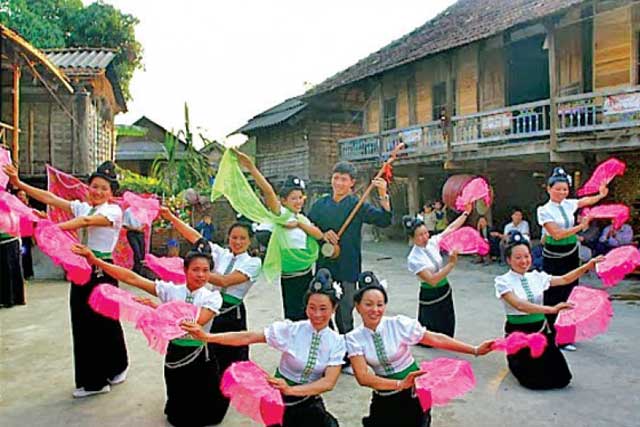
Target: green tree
(67,23)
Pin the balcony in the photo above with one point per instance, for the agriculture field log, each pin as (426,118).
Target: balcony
(586,115)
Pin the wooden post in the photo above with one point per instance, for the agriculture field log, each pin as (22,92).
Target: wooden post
(16,115)
(413,192)
(450,104)
(553,86)
(30,136)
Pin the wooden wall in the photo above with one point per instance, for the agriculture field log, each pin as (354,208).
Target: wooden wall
(282,151)
(492,79)
(467,80)
(613,48)
(569,59)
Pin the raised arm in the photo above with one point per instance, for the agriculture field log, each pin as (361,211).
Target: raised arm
(226,280)
(592,200)
(234,339)
(119,273)
(434,278)
(559,233)
(368,378)
(459,222)
(191,234)
(324,384)
(270,196)
(40,195)
(445,342)
(530,308)
(85,221)
(574,275)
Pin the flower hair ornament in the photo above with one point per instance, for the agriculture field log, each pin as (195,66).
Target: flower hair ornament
(337,289)
(560,175)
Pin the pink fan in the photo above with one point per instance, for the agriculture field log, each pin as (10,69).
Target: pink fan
(245,384)
(117,304)
(603,174)
(57,245)
(444,380)
(5,159)
(618,263)
(619,213)
(465,240)
(9,221)
(170,269)
(145,209)
(516,341)
(163,324)
(590,317)
(23,213)
(476,189)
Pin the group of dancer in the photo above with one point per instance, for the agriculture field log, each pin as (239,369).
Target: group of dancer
(314,353)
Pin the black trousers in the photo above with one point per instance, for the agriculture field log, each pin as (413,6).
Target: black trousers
(136,241)
(191,397)
(11,280)
(293,291)
(546,372)
(231,321)
(306,412)
(99,349)
(435,311)
(401,409)
(27,258)
(558,266)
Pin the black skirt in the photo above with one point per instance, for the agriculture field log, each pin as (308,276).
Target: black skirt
(293,291)
(191,378)
(546,372)
(401,409)
(11,280)
(99,349)
(435,310)
(308,411)
(231,319)
(564,259)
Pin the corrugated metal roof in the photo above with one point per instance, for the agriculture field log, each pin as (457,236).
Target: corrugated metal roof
(35,54)
(142,150)
(464,22)
(81,58)
(274,116)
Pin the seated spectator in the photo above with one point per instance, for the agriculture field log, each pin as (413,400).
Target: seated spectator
(484,229)
(440,213)
(612,238)
(517,223)
(206,228)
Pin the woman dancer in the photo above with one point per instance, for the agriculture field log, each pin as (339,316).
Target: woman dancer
(521,293)
(383,343)
(301,250)
(312,354)
(190,373)
(99,349)
(435,306)
(559,234)
(234,273)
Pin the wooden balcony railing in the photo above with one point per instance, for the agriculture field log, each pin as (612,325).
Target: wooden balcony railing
(611,109)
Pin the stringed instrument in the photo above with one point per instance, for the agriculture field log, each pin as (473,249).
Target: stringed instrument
(332,251)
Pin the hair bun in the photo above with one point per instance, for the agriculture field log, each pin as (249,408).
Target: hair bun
(368,279)
(559,175)
(411,223)
(515,238)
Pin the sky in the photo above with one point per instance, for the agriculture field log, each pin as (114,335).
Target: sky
(231,60)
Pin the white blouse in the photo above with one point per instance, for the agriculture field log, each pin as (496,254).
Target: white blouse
(101,239)
(553,212)
(244,263)
(306,353)
(529,287)
(296,237)
(203,297)
(427,258)
(388,348)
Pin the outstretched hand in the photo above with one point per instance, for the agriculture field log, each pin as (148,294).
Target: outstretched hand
(195,330)
(410,379)
(12,173)
(83,251)
(485,347)
(244,160)
(279,384)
